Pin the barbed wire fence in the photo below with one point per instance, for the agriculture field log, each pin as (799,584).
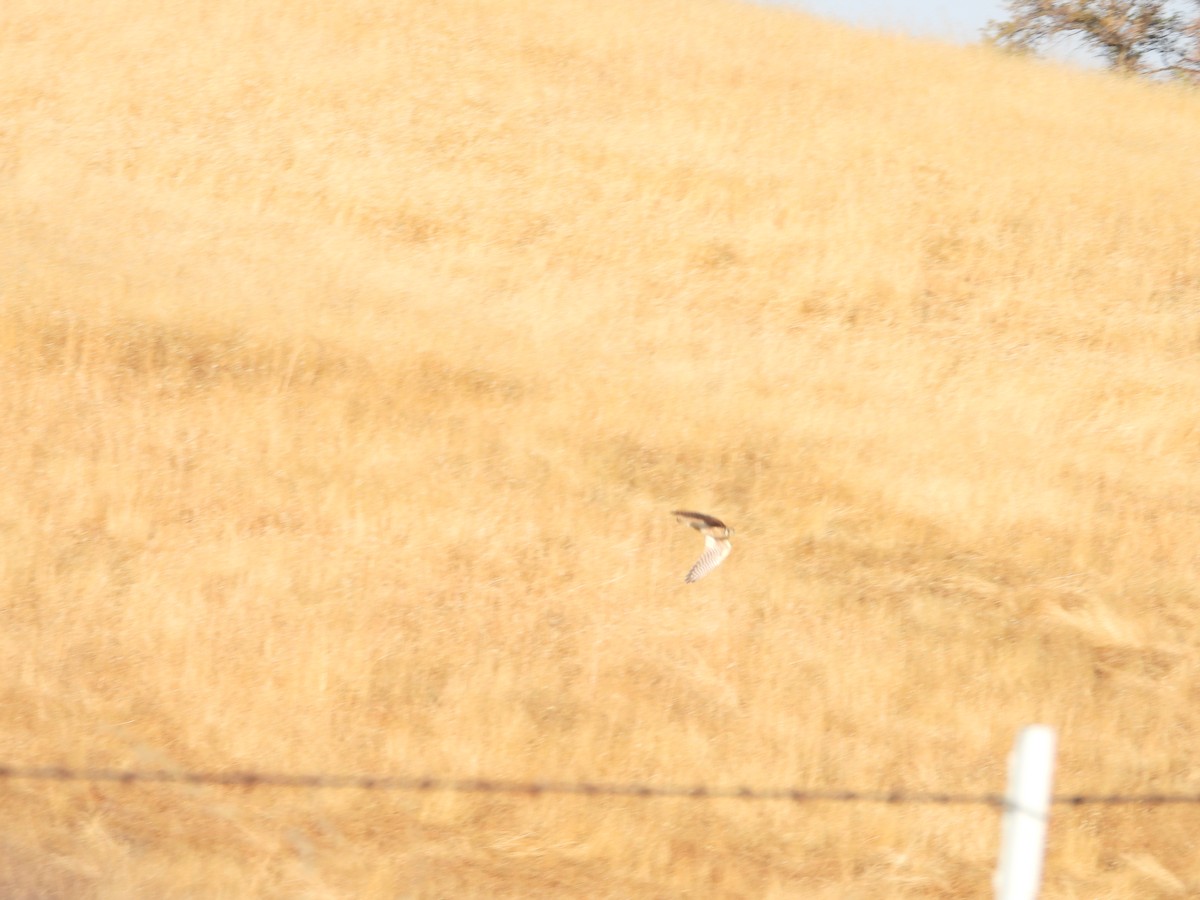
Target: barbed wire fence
(429,784)
(1025,804)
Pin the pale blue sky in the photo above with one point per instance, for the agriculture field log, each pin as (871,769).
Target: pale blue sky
(959,21)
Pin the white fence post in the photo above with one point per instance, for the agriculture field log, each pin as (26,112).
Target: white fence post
(1026,810)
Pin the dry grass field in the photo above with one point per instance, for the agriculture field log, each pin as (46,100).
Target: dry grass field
(352,357)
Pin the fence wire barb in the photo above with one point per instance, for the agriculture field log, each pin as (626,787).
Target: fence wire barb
(538,788)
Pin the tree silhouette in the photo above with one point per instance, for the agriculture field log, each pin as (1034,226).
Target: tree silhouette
(1135,36)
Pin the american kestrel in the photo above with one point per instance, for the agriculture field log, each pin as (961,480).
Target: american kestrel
(716,541)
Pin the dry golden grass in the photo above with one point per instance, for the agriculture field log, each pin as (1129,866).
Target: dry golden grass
(353,356)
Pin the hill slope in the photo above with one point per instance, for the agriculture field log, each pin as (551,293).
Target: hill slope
(353,361)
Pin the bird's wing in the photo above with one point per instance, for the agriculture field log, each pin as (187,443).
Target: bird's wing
(696,519)
(715,551)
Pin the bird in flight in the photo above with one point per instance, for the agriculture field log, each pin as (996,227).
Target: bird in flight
(716,541)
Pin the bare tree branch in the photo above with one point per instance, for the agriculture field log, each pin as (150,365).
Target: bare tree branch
(1135,36)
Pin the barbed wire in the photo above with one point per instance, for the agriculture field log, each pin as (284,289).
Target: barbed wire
(246,779)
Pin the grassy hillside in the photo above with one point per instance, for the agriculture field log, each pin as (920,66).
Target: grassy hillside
(353,356)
